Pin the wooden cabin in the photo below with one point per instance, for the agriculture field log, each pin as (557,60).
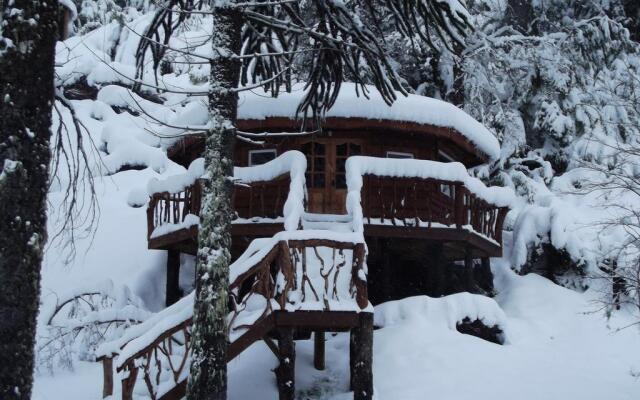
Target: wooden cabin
(424,236)
(396,227)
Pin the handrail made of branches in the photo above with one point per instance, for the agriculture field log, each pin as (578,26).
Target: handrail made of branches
(282,274)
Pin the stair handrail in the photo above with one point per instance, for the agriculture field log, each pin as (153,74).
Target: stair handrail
(265,269)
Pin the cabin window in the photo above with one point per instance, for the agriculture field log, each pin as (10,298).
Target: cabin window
(444,157)
(259,157)
(398,154)
(316,164)
(344,151)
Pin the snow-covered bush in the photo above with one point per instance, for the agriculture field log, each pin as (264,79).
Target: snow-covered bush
(74,324)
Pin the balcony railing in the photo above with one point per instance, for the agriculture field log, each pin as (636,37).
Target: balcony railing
(429,203)
(385,192)
(420,193)
(273,192)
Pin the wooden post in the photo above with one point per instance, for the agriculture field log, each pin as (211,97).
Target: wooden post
(386,277)
(318,350)
(129,382)
(459,210)
(359,254)
(361,358)
(485,276)
(440,270)
(173,292)
(469,280)
(107,373)
(285,372)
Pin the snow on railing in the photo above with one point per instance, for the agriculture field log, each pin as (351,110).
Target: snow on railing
(292,162)
(175,202)
(465,199)
(291,271)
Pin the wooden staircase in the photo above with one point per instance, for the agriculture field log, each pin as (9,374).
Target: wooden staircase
(305,287)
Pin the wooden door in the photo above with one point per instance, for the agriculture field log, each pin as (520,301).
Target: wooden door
(326,178)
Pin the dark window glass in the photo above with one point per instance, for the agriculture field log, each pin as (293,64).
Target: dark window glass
(318,164)
(394,154)
(355,150)
(341,181)
(258,157)
(341,149)
(318,180)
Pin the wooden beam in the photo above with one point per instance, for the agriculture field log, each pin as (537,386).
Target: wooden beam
(285,372)
(480,245)
(361,358)
(334,321)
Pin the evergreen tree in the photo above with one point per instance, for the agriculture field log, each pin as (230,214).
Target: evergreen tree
(27,45)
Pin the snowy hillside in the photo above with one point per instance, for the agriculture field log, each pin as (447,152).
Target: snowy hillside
(558,342)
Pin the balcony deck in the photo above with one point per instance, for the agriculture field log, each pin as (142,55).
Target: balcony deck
(430,210)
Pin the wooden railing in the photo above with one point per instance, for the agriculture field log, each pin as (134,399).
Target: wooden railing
(424,202)
(163,363)
(251,200)
(261,199)
(172,208)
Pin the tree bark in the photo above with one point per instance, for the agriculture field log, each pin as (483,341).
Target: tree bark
(27,50)
(208,379)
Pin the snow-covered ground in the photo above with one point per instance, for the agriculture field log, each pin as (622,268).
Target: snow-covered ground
(557,348)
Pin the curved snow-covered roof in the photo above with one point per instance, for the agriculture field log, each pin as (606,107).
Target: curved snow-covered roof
(253,105)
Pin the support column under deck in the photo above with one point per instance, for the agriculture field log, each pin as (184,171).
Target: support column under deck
(361,358)
(440,270)
(285,372)
(469,280)
(173,292)
(484,276)
(318,350)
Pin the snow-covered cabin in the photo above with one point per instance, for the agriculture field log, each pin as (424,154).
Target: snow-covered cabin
(376,205)
(396,173)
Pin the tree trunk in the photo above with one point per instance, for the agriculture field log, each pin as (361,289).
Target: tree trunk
(208,378)
(27,48)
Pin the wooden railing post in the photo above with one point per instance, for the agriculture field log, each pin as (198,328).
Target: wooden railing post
(129,382)
(151,208)
(359,254)
(502,213)
(459,206)
(107,373)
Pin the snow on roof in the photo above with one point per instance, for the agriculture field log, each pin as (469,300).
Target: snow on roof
(412,108)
